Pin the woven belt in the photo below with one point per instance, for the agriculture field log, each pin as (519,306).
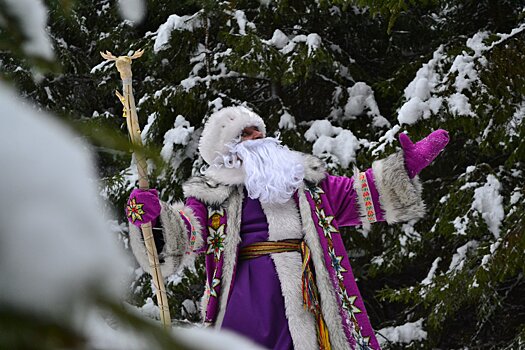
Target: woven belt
(309,287)
(258,249)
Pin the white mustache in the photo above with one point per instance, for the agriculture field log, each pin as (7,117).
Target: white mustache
(273,172)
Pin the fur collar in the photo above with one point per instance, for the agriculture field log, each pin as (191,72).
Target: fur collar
(216,185)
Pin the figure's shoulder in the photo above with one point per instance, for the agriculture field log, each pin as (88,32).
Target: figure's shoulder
(206,190)
(314,169)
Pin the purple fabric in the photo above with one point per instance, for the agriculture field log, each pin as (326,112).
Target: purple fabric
(344,202)
(256,305)
(338,200)
(143,206)
(199,211)
(422,153)
(256,285)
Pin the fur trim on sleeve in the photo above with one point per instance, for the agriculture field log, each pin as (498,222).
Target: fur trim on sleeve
(314,169)
(175,233)
(400,196)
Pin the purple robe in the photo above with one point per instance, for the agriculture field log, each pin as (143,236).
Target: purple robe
(256,306)
(262,298)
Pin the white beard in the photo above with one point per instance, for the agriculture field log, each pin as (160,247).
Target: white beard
(272,172)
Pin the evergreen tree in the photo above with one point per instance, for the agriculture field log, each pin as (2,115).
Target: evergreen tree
(340,80)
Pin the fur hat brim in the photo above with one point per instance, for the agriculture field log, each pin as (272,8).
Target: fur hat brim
(225,126)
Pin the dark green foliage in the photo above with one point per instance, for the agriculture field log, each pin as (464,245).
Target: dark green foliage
(184,292)
(474,299)
(190,288)
(24,330)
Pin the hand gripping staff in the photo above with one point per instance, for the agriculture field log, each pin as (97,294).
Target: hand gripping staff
(123,64)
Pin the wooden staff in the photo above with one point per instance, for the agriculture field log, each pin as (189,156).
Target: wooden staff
(123,64)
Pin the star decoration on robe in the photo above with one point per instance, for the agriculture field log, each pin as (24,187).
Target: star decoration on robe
(349,303)
(135,210)
(336,263)
(326,223)
(363,343)
(216,242)
(315,192)
(216,282)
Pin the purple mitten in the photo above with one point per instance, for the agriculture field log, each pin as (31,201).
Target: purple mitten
(143,206)
(420,154)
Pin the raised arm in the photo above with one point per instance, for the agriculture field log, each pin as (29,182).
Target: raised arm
(390,190)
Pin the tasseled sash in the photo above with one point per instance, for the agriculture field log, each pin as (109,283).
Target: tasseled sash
(309,287)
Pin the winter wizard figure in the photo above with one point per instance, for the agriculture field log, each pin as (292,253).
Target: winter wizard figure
(267,218)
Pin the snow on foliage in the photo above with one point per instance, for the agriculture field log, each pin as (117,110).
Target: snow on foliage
(313,42)
(56,245)
(146,130)
(493,247)
(32,15)
(388,138)
(102,65)
(150,309)
(431,273)
(102,336)
(132,10)
(216,105)
(210,339)
(279,39)
(405,334)
(179,135)
(515,197)
(418,92)
(458,259)
(422,94)
(332,141)
(287,121)
(198,61)
(174,22)
(516,120)
(243,22)
(461,224)
(320,128)
(489,203)
(361,98)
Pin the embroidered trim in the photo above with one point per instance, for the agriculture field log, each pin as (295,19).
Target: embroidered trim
(216,236)
(216,242)
(367,198)
(348,301)
(193,232)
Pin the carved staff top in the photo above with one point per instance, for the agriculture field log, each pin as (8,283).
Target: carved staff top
(123,63)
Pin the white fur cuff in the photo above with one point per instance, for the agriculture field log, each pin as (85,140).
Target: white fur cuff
(175,234)
(400,196)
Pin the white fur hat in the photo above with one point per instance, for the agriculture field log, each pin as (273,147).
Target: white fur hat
(225,126)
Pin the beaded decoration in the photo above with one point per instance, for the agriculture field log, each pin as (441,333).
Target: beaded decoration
(367,198)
